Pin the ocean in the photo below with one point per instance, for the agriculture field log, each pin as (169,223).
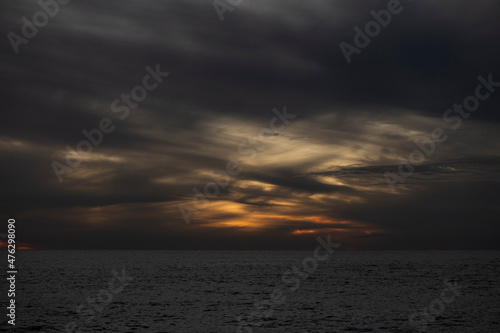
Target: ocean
(256,291)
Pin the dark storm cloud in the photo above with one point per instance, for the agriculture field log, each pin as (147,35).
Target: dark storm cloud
(227,75)
(480,168)
(443,215)
(101,51)
(444,205)
(294,182)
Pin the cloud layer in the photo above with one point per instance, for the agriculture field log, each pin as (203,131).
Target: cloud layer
(321,173)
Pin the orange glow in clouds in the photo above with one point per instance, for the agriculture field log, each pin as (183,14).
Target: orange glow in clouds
(300,232)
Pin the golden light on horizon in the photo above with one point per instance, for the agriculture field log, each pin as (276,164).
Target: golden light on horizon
(300,232)
(19,246)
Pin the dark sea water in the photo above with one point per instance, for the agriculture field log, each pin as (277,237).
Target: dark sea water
(206,291)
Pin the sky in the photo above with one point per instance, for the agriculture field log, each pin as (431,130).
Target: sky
(292,136)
